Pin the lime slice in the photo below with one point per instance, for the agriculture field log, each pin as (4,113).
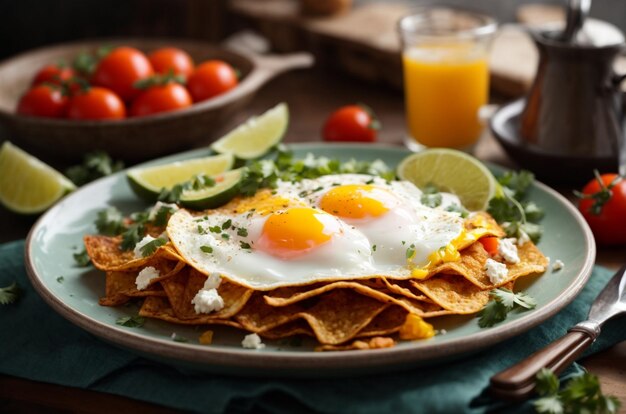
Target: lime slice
(147,182)
(451,171)
(226,187)
(27,185)
(256,136)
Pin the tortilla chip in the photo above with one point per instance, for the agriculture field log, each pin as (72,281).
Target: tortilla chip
(403,287)
(454,293)
(120,284)
(182,288)
(472,265)
(257,316)
(105,253)
(387,322)
(159,308)
(377,342)
(298,327)
(341,314)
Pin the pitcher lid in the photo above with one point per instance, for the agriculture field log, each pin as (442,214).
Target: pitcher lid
(594,33)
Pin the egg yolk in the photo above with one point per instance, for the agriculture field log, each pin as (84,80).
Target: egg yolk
(356,201)
(295,231)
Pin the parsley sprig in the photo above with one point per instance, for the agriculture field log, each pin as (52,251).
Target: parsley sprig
(503,302)
(512,211)
(131,321)
(582,394)
(9,294)
(95,165)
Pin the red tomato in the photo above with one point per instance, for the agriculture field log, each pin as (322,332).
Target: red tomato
(607,219)
(54,74)
(162,98)
(351,123)
(490,244)
(96,103)
(120,69)
(43,100)
(170,58)
(211,78)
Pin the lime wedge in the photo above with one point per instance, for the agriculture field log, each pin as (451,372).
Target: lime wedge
(225,188)
(256,136)
(27,185)
(147,182)
(451,171)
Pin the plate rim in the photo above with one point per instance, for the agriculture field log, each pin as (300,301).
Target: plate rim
(320,363)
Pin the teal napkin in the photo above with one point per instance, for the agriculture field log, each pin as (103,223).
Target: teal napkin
(40,345)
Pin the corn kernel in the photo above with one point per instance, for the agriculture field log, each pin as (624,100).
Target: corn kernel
(415,327)
(206,338)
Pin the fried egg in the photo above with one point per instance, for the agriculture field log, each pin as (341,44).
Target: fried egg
(334,227)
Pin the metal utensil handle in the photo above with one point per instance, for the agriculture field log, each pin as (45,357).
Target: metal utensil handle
(576,14)
(518,381)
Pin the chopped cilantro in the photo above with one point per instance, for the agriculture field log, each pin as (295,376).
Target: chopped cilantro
(582,394)
(9,294)
(131,321)
(82,259)
(110,222)
(510,208)
(456,208)
(431,200)
(151,247)
(430,188)
(201,230)
(242,232)
(226,225)
(410,251)
(206,249)
(374,248)
(244,245)
(162,216)
(132,236)
(95,165)
(225,236)
(215,229)
(60,279)
(503,301)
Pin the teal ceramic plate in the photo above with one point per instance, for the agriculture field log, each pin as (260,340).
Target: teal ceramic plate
(58,234)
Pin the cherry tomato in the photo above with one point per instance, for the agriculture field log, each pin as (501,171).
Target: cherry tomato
(43,100)
(490,244)
(162,98)
(604,208)
(170,58)
(96,103)
(211,78)
(351,123)
(120,69)
(53,74)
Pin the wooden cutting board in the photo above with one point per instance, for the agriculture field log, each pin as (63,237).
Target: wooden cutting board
(364,41)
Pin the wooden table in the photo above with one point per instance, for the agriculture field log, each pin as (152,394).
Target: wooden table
(311,96)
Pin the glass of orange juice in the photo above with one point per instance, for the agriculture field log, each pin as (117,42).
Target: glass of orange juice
(445,54)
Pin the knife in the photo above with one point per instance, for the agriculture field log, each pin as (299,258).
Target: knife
(518,382)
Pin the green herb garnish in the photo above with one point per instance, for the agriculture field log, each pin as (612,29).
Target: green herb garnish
(110,222)
(510,209)
(151,247)
(95,165)
(60,279)
(206,249)
(82,259)
(431,200)
(503,301)
(242,232)
(131,321)
(9,294)
(582,394)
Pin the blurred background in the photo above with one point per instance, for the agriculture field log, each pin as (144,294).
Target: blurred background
(32,23)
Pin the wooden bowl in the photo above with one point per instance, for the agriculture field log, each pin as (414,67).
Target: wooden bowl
(131,139)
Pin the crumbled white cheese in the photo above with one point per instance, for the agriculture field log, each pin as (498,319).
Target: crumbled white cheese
(207,301)
(158,206)
(212,281)
(442,332)
(508,250)
(145,277)
(558,265)
(523,238)
(496,271)
(252,341)
(140,244)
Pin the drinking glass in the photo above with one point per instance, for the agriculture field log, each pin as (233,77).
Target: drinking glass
(445,53)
